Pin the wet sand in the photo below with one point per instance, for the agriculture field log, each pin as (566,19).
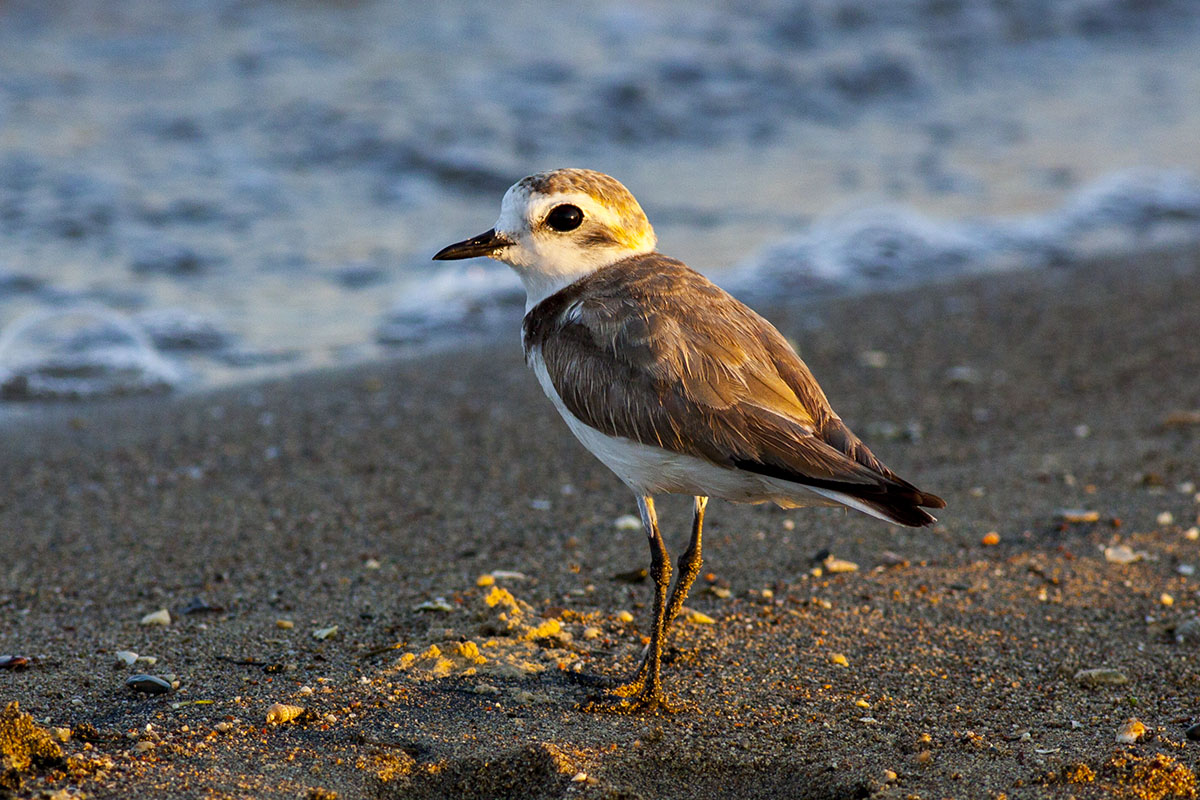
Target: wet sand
(941,667)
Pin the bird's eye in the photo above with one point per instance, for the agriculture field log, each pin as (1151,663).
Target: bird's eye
(565,218)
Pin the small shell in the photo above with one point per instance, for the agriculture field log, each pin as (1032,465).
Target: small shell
(282,712)
(1130,732)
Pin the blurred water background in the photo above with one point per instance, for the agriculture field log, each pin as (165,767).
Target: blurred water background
(198,192)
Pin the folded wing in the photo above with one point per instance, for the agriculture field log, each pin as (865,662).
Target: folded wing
(652,351)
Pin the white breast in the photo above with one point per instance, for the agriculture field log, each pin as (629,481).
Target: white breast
(649,470)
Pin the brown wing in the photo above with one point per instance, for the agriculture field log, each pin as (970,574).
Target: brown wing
(652,351)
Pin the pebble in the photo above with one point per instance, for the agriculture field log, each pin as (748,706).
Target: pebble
(372,563)
(1192,533)
(223,727)
(579,777)
(285,624)
(1075,516)
(485,580)
(699,618)
(990,539)
(1186,569)
(1166,599)
(149,684)
(487,688)
(1188,631)
(591,632)
(1193,732)
(1122,554)
(624,616)
(321,634)
(160,617)
(279,713)
(508,574)
(719,591)
(126,658)
(839,659)
(632,576)
(1101,676)
(436,604)
(836,565)
(1164,519)
(627,522)
(1130,732)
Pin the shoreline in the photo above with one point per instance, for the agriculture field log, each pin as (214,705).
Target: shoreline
(353,497)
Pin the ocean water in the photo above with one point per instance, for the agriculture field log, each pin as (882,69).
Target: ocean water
(197,193)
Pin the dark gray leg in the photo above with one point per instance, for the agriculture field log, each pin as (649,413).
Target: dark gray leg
(689,566)
(645,693)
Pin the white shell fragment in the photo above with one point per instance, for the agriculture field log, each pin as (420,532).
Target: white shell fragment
(160,617)
(1122,554)
(436,604)
(1130,732)
(1077,516)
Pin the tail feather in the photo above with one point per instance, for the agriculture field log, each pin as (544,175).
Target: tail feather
(891,499)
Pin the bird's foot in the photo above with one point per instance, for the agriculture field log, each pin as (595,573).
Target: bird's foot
(636,697)
(632,688)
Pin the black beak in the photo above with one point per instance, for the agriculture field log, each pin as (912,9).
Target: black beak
(482,245)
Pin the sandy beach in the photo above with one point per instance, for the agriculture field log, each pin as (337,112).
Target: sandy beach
(472,558)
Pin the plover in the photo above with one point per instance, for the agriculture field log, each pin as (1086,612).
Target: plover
(672,383)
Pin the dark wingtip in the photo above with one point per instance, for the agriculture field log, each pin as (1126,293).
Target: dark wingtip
(912,516)
(931,501)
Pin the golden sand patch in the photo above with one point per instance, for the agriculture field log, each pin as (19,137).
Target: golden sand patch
(494,633)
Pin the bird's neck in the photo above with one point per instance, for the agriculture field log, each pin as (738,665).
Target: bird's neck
(540,285)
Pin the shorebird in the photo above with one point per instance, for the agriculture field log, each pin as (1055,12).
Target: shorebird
(675,385)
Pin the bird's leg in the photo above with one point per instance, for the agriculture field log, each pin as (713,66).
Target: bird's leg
(645,693)
(689,566)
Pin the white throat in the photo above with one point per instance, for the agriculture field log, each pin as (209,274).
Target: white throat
(541,282)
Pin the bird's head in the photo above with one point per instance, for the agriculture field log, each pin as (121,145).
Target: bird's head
(556,227)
